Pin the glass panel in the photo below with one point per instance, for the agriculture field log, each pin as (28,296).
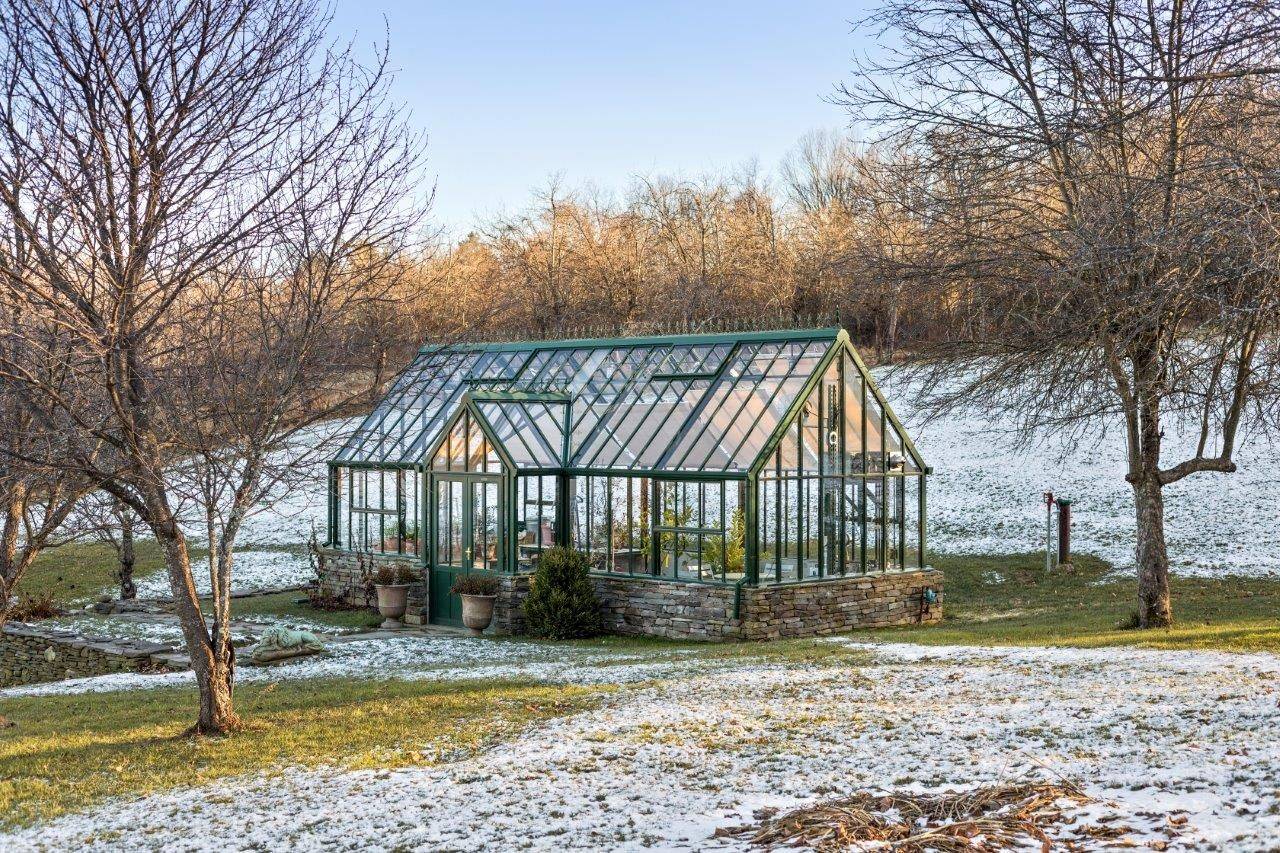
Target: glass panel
(807,545)
(608,385)
(409,420)
(911,521)
(834,547)
(767,530)
(873,499)
(853,527)
(611,438)
(853,437)
(339,535)
(485,547)
(517,435)
(377,510)
(536,514)
(449,523)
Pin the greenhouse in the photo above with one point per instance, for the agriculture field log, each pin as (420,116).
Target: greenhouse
(716,465)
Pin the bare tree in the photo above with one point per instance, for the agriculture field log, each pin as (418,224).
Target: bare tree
(207,190)
(109,520)
(1102,175)
(37,496)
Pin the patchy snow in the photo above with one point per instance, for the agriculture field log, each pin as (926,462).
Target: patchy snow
(157,630)
(249,570)
(985,495)
(416,657)
(663,765)
(164,628)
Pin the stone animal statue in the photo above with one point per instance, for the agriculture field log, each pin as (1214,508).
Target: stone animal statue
(280,643)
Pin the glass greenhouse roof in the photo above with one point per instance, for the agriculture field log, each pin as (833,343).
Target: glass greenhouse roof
(691,403)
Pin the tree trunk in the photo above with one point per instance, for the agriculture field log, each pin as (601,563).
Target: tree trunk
(128,590)
(215,673)
(1154,607)
(212,657)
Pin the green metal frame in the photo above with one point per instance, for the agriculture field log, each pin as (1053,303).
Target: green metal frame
(481,390)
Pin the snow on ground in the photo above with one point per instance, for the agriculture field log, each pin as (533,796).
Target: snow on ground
(251,569)
(985,495)
(414,657)
(164,628)
(663,765)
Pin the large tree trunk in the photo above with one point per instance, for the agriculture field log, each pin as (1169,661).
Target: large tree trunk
(215,673)
(212,658)
(1154,608)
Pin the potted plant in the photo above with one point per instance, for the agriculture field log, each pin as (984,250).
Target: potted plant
(478,592)
(392,584)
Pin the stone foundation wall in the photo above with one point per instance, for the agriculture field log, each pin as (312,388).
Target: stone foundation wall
(815,608)
(350,577)
(695,611)
(664,608)
(29,654)
(687,611)
(508,610)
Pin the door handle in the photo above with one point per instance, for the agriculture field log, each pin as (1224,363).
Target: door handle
(467,553)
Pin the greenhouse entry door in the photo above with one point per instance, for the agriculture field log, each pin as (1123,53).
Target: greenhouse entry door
(467,536)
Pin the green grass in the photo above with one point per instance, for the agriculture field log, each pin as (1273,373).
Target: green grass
(1008,600)
(68,753)
(285,605)
(80,570)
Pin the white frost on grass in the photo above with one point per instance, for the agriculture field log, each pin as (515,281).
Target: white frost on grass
(413,658)
(249,570)
(91,625)
(662,766)
(985,495)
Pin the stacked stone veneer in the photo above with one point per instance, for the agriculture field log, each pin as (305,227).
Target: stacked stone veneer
(508,610)
(350,577)
(696,611)
(30,654)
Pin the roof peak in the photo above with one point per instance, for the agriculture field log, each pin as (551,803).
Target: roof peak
(833,332)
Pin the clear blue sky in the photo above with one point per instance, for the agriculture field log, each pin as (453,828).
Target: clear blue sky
(512,93)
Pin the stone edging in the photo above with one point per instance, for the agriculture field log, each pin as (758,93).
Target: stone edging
(30,654)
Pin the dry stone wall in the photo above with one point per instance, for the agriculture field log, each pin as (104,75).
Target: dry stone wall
(349,577)
(694,611)
(30,654)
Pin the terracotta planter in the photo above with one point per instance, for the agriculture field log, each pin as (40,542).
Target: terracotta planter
(393,601)
(477,612)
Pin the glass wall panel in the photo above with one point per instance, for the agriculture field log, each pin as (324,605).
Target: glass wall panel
(911,521)
(448,522)
(700,530)
(378,510)
(535,518)
(683,530)
(833,499)
(485,508)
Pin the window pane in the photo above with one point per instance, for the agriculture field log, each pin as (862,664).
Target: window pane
(536,510)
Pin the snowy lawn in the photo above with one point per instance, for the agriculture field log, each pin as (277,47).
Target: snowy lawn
(985,494)
(251,569)
(1151,734)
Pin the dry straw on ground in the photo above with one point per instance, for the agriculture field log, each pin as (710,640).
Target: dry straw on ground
(996,817)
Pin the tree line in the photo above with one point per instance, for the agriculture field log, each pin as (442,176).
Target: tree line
(822,241)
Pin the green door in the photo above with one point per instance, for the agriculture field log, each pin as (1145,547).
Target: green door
(467,537)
